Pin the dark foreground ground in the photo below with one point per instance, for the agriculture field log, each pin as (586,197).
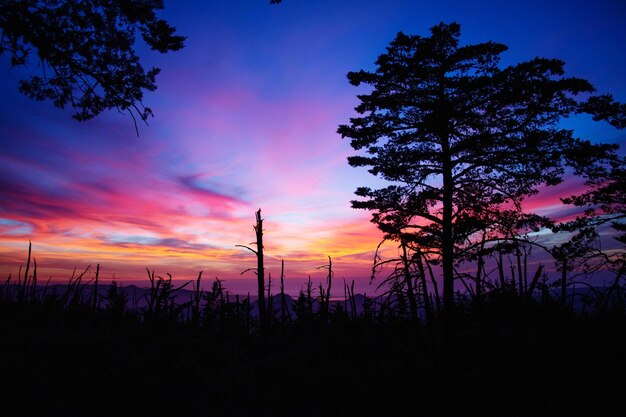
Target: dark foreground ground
(504,361)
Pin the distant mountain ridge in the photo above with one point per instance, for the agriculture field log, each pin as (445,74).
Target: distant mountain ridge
(137,298)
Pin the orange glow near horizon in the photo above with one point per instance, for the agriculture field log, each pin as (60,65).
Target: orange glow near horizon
(350,245)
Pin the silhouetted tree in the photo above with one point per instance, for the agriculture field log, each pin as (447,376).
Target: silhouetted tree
(260,269)
(325,294)
(605,199)
(402,276)
(604,202)
(116,300)
(86,51)
(283,299)
(571,253)
(461,141)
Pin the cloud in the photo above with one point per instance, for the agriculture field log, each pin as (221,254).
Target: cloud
(133,242)
(10,227)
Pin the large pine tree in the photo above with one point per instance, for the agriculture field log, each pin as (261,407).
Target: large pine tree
(460,140)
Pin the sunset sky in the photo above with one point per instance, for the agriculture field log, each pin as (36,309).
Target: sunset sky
(246,118)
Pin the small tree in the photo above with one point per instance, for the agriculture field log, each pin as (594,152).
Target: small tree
(461,141)
(116,300)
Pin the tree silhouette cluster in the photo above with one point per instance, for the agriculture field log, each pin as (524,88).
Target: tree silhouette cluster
(164,350)
(463,142)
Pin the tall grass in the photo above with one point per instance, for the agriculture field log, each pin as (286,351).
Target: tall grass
(185,350)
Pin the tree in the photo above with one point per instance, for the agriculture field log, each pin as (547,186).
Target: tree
(605,198)
(604,202)
(260,270)
(86,51)
(461,141)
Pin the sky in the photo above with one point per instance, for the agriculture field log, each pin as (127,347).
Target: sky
(246,118)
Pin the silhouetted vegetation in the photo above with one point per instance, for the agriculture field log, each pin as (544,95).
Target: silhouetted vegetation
(86,51)
(463,142)
(515,342)
(260,269)
(87,349)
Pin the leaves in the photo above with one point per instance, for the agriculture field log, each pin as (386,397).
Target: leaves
(438,109)
(464,142)
(85,50)
(607,109)
(605,199)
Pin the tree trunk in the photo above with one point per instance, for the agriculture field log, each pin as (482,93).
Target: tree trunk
(330,281)
(564,283)
(447,238)
(500,262)
(427,304)
(520,275)
(433,281)
(447,166)
(283,300)
(479,282)
(479,271)
(258,228)
(409,284)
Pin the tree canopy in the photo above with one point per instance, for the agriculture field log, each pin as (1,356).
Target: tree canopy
(85,51)
(462,142)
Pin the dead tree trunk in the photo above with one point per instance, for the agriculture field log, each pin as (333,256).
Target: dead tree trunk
(409,283)
(427,305)
(260,269)
(564,283)
(325,295)
(283,300)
